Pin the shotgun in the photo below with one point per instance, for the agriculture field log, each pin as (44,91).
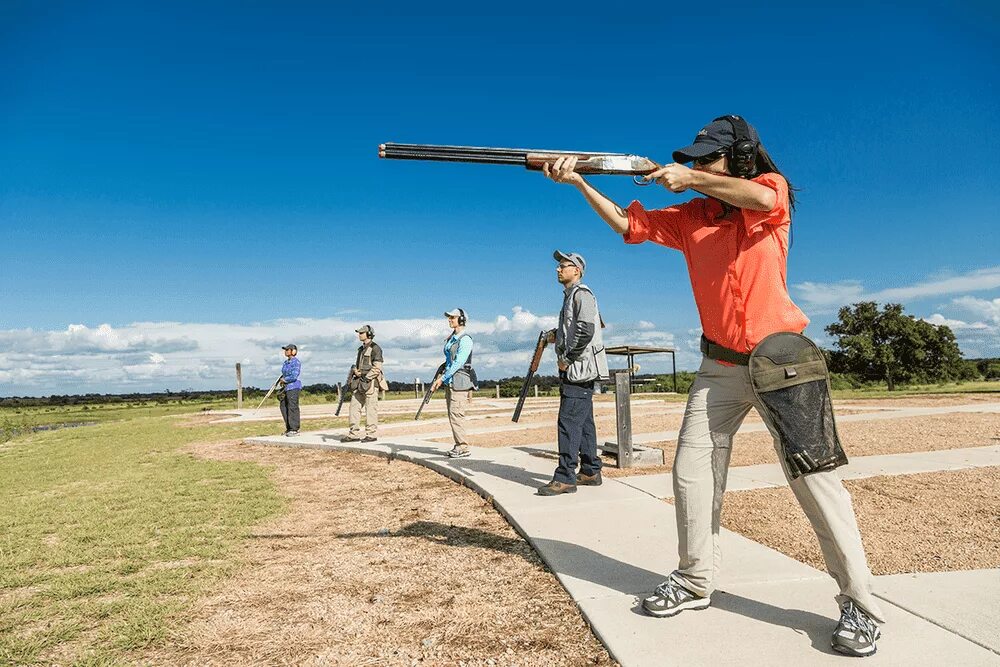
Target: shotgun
(268,394)
(543,340)
(343,389)
(587,163)
(427,394)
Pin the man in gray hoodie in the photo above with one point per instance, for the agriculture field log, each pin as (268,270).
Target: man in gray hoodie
(582,362)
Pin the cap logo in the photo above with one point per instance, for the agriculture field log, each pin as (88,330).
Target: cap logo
(702,133)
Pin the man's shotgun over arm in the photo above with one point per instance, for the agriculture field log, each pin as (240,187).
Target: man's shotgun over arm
(534,159)
(543,340)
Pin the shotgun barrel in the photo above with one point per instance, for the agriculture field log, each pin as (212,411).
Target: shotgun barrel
(534,159)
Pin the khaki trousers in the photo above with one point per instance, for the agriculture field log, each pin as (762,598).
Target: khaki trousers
(369,402)
(458,405)
(720,398)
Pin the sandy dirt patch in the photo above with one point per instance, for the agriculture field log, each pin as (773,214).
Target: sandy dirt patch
(927,401)
(380,563)
(931,522)
(862,438)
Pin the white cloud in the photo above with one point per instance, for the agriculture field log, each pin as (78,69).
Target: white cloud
(938,319)
(827,297)
(989,310)
(153,356)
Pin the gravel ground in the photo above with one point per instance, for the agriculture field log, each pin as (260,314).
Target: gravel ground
(381,564)
(931,522)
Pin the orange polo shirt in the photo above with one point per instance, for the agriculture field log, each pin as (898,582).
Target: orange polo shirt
(737,265)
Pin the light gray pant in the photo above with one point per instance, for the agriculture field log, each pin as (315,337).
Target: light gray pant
(458,405)
(369,402)
(720,398)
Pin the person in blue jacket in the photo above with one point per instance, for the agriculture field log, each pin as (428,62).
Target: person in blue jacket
(459,379)
(291,386)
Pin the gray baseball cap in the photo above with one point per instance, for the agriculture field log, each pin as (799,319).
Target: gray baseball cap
(366,329)
(572,258)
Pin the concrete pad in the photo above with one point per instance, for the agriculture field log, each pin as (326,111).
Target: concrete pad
(658,486)
(779,625)
(966,603)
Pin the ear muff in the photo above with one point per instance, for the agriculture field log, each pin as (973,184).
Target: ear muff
(461,317)
(743,153)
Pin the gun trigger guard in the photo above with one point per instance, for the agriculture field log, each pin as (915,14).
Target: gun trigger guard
(641,180)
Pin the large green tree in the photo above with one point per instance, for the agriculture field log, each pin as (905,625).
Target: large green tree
(886,345)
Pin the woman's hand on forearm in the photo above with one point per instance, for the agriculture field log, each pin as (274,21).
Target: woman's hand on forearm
(562,171)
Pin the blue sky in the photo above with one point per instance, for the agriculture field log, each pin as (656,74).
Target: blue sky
(186,185)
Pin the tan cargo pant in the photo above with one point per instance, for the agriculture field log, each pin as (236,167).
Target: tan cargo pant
(458,405)
(720,398)
(369,402)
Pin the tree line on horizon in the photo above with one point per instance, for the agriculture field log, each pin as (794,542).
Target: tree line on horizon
(873,346)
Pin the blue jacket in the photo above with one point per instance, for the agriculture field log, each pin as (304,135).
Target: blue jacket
(454,365)
(290,373)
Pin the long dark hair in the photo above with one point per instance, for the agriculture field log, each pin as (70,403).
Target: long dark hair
(765,165)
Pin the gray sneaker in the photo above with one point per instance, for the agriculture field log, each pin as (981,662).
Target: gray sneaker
(670,598)
(856,633)
(459,452)
(291,434)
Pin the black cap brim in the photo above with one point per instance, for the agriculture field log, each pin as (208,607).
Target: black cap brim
(695,151)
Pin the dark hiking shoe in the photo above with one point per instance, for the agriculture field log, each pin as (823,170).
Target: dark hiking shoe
(555,488)
(589,480)
(856,633)
(369,438)
(670,598)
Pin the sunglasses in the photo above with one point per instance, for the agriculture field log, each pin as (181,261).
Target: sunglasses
(709,159)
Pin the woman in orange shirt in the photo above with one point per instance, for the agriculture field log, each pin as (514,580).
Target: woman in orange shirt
(735,243)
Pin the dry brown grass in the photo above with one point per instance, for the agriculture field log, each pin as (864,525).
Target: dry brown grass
(931,522)
(381,564)
(862,438)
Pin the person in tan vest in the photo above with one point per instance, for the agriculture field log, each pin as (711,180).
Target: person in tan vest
(366,381)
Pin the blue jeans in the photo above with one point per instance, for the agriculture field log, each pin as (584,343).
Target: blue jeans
(577,435)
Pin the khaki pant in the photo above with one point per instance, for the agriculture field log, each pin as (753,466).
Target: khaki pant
(720,398)
(369,402)
(458,405)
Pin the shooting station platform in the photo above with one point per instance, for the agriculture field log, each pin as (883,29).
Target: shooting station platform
(628,454)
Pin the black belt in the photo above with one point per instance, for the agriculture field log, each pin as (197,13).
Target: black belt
(715,351)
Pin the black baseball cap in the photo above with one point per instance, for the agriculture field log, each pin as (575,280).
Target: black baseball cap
(716,136)
(290,346)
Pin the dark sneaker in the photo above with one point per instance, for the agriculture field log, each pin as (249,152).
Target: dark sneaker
(291,434)
(555,488)
(589,480)
(350,438)
(369,438)
(670,598)
(458,452)
(856,632)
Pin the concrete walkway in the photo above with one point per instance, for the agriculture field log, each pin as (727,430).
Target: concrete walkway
(609,545)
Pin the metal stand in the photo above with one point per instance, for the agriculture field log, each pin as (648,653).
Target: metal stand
(628,454)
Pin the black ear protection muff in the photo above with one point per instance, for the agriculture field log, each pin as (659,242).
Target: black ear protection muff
(743,153)
(461,317)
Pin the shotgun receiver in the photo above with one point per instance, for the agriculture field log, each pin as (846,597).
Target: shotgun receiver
(427,394)
(543,340)
(530,158)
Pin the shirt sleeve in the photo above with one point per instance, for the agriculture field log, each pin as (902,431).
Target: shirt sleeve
(660,226)
(754,221)
(464,350)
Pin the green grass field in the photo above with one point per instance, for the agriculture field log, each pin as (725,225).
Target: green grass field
(107,532)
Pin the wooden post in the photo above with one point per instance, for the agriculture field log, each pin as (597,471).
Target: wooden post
(536,391)
(623,413)
(498,390)
(239,387)
(416,392)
